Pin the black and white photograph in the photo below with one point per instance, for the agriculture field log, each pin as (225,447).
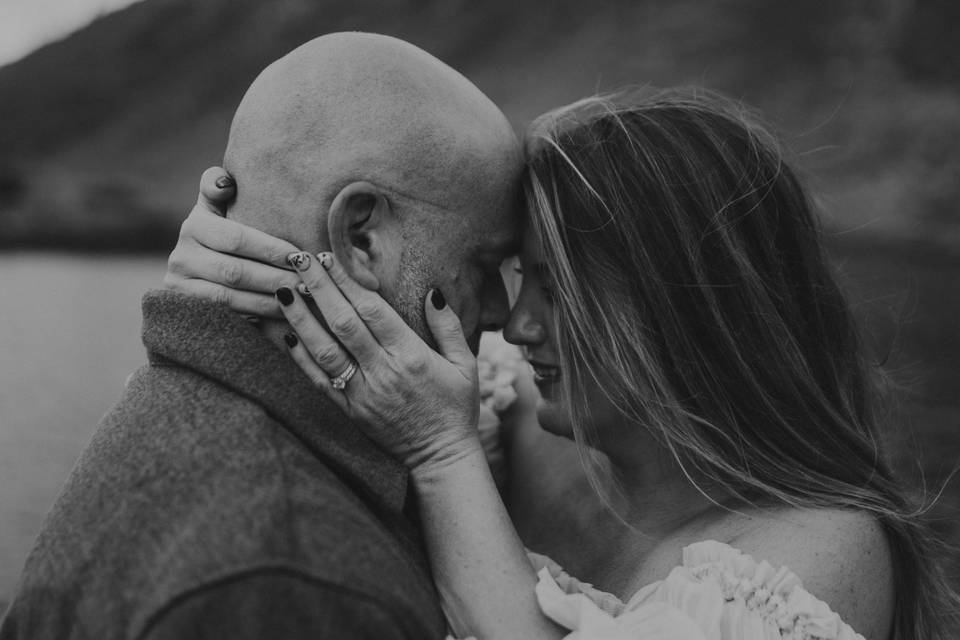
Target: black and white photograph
(497,320)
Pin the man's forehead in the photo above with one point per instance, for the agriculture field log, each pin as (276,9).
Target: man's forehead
(504,244)
(501,234)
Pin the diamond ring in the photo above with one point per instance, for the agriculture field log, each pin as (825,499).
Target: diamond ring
(340,382)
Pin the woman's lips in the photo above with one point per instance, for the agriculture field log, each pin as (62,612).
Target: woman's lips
(544,373)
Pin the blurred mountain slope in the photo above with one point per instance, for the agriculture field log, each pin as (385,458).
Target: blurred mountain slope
(103,134)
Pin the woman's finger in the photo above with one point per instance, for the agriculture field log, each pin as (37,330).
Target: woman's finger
(244,302)
(381,319)
(229,236)
(316,340)
(217,189)
(194,260)
(448,333)
(339,314)
(317,375)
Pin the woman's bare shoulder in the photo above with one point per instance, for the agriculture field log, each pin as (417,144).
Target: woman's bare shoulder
(842,557)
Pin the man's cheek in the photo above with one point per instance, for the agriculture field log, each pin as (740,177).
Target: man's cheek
(469,322)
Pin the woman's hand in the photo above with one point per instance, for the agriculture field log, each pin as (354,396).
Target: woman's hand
(225,261)
(420,405)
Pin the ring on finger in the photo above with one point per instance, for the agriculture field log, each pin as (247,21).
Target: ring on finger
(340,381)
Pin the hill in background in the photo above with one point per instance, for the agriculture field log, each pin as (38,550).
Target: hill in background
(103,135)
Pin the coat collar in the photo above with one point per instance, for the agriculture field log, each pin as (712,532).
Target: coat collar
(219,344)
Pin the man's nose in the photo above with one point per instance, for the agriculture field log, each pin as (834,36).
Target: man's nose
(523,328)
(495,307)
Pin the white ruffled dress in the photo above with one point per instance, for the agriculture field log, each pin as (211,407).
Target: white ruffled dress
(718,593)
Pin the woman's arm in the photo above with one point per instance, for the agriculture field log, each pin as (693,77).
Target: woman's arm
(421,406)
(480,567)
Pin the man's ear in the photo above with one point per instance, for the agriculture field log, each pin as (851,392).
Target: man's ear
(364,234)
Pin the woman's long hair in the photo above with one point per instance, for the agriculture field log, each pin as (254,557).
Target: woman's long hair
(692,286)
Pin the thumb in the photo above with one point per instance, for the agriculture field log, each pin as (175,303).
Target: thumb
(448,333)
(217,190)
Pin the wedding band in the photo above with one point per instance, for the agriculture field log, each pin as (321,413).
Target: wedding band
(340,382)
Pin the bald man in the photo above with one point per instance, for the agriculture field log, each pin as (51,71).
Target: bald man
(224,497)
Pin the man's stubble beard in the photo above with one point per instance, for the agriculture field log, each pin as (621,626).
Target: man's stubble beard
(412,288)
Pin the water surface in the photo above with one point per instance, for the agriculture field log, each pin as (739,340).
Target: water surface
(69,337)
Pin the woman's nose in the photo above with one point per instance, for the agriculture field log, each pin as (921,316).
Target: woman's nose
(523,328)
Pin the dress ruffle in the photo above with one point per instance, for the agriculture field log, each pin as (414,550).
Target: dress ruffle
(719,593)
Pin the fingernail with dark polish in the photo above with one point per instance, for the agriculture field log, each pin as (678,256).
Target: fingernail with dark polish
(290,339)
(437,299)
(325,259)
(299,260)
(304,290)
(224,182)
(285,296)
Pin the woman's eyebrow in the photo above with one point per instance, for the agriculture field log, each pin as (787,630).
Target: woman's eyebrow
(541,268)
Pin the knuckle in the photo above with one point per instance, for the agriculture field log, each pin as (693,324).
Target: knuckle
(417,365)
(193,229)
(326,356)
(451,331)
(233,237)
(240,237)
(278,256)
(266,306)
(187,227)
(231,272)
(175,261)
(369,310)
(343,325)
(296,318)
(170,281)
(222,296)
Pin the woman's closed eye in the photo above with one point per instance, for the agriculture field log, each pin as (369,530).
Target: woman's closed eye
(543,282)
(548,291)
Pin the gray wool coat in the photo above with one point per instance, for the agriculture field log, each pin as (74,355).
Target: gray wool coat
(224,497)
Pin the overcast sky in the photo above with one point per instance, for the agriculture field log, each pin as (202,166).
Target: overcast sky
(28,24)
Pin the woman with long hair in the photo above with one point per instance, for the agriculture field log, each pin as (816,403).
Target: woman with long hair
(682,320)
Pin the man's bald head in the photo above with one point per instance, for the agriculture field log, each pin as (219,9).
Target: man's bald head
(370,147)
(355,106)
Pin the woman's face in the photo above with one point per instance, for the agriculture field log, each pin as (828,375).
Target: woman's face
(531,326)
